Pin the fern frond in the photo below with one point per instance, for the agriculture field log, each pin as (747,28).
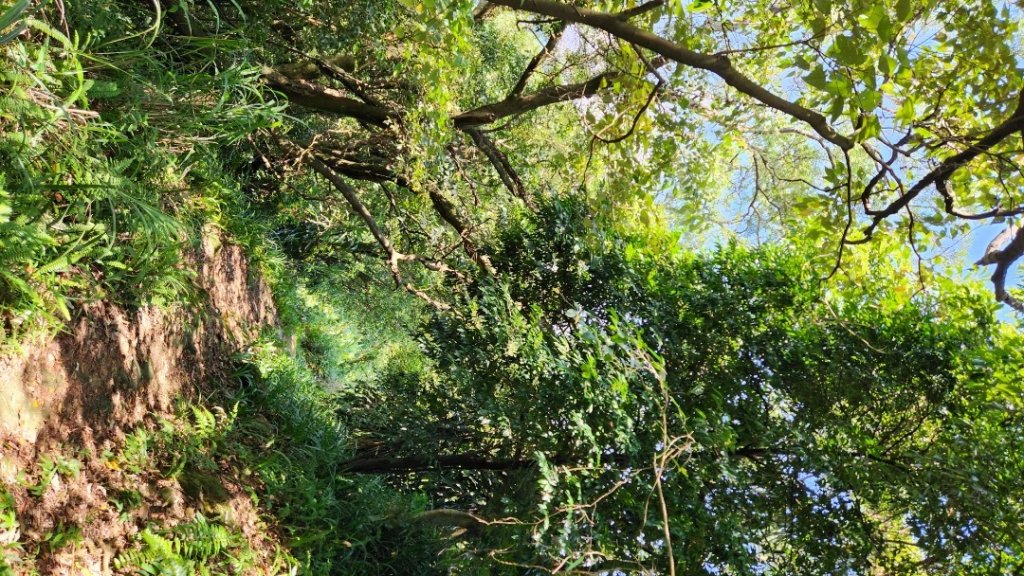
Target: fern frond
(200,540)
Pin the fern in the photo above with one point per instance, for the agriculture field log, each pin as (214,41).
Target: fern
(155,557)
(201,540)
(193,547)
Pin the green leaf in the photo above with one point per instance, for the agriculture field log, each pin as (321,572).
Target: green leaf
(902,10)
(5,38)
(817,78)
(872,18)
(840,86)
(869,100)
(887,65)
(871,128)
(701,5)
(906,112)
(13,13)
(847,52)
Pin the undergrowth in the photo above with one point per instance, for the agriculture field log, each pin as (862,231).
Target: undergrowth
(115,156)
(335,523)
(270,436)
(112,159)
(195,547)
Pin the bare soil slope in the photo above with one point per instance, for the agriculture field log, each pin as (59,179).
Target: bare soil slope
(112,366)
(72,408)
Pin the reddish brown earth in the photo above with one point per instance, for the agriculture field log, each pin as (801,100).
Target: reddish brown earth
(112,367)
(74,397)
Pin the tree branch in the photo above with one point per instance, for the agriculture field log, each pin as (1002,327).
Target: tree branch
(638,10)
(357,206)
(393,255)
(636,117)
(501,165)
(516,104)
(310,95)
(716,64)
(941,173)
(483,10)
(548,49)
(428,463)
(1003,259)
(949,205)
(447,212)
(445,209)
(451,518)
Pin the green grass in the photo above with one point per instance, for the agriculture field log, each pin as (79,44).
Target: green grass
(115,157)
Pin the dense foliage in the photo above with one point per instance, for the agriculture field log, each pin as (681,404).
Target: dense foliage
(722,406)
(603,287)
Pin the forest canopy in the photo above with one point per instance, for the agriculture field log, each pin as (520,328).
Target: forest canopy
(592,287)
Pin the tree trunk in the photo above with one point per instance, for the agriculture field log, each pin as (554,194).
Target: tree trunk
(424,463)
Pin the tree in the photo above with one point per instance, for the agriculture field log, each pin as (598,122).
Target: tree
(621,403)
(852,120)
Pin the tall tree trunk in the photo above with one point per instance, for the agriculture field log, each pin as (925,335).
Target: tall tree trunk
(424,463)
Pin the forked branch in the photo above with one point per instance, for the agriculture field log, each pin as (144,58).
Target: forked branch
(501,165)
(394,257)
(940,175)
(1003,258)
(718,65)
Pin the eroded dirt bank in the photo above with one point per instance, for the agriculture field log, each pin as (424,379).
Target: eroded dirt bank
(78,413)
(112,367)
